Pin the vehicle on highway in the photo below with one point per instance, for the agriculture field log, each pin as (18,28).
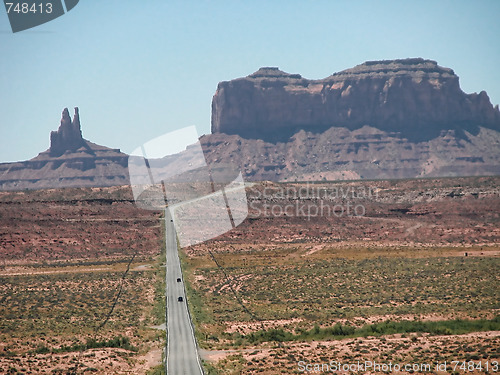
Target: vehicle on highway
(178,279)
(180,299)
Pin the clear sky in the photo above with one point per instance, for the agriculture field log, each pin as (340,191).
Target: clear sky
(139,69)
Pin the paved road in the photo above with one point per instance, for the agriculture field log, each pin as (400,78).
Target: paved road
(182,351)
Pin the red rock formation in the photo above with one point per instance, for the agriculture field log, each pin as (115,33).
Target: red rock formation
(71,161)
(69,135)
(365,153)
(414,97)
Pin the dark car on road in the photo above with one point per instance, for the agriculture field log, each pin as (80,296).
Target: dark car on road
(180,299)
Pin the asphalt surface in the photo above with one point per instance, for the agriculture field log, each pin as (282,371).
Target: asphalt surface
(182,351)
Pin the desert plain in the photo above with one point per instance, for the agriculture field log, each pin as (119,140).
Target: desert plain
(409,276)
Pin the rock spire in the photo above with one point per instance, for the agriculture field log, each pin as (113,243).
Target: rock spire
(69,135)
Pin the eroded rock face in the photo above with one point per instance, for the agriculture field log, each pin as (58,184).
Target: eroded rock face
(69,135)
(71,161)
(365,153)
(414,97)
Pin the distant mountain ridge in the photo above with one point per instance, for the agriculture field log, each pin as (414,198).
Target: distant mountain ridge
(379,120)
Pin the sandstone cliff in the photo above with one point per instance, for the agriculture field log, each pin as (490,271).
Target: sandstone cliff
(413,97)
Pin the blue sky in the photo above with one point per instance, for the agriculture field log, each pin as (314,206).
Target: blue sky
(139,69)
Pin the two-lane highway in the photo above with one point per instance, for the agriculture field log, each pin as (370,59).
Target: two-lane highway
(182,351)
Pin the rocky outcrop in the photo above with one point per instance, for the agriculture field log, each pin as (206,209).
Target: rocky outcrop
(69,135)
(71,161)
(416,98)
(365,153)
(381,119)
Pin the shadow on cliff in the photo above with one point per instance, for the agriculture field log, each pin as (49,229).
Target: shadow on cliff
(416,134)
